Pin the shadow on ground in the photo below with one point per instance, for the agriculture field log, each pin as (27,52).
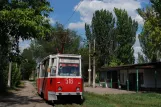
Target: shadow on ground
(66,102)
(14,100)
(10,98)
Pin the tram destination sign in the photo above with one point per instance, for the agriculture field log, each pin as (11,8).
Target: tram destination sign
(69,60)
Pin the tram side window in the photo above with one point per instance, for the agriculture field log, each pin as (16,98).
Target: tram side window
(38,72)
(53,67)
(46,67)
(42,70)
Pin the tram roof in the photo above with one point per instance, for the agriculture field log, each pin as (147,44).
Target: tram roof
(62,55)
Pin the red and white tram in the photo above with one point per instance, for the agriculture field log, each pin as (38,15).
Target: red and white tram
(60,76)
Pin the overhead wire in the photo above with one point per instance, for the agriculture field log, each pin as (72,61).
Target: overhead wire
(73,13)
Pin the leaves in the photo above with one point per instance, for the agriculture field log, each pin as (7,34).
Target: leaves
(114,37)
(61,40)
(125,36)
(28,63)
(150,36)
(20,19)
(102,26)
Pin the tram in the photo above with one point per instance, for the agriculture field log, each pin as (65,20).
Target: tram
(60,76)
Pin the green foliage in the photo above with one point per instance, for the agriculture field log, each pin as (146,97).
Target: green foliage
(150,36)
(15,75)
(156,4)
(102,30)
(28,64)
(114,38)
(60,41)
(3,77)
(125,33)
(83,51)
(88,33)
(24,19)
(114,62)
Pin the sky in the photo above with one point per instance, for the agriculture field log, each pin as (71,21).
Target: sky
(84,9)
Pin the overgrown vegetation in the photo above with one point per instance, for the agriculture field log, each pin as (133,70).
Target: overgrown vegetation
(15,75)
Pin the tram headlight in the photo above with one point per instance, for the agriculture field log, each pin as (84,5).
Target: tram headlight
(59,88)
(77,89)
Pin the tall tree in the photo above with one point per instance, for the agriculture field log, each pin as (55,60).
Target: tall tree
(24,19)
(150,36)
(102,26)
(88,33)
(125,33)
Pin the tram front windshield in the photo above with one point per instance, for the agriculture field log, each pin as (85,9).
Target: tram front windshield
(66,69)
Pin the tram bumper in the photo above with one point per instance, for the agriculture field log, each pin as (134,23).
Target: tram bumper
(59,95)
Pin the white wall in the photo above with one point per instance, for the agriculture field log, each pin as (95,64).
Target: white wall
(149,78)
(148,75)
(123,75)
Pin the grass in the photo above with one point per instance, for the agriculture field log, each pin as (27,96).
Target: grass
(117,100)
(120,100)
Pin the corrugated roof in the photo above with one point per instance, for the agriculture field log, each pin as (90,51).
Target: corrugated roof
(154,65)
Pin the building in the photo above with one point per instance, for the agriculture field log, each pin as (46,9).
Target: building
(137,77)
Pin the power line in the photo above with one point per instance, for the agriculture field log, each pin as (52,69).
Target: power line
(73,12)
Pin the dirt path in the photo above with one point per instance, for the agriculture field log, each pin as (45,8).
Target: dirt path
(25,97)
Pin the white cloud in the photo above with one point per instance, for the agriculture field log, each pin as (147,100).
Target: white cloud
(88,7)
(51,20)
(137,48)
(139,19)
(77,25)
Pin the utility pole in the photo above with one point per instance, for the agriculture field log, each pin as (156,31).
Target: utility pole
(94,64)
(89,69)
(9,74)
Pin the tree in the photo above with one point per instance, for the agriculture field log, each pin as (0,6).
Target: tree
(156,4)
(24,19)
(15,75)
(150,37)
(102,27)
(83,51)
(125,34)
(114,38)
(29,64)
(60,41)
(88,33)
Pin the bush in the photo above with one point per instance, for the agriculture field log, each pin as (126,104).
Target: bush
(3,74)
(15,75)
